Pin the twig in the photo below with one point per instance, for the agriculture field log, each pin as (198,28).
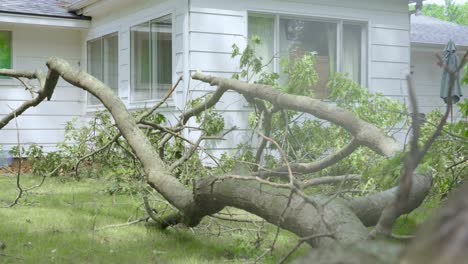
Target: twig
(189,153)
(299,244)
(456,164)
(108,144)
(330,180)
(292,187)
(237,219)
(121,225)
(44,178)
(27,86)
(401,237)
(10,256)
(319,164)
(166,97)
(20,160)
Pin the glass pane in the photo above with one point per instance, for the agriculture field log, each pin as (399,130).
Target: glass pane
(140,62)
(5,51)
(161,45)
(263,27)
(351,62)
(298,37)
(94,55)
(111,61)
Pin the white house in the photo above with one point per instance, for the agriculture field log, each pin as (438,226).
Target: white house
(141,47)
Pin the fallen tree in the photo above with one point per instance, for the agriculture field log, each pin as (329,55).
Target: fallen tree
(318,220)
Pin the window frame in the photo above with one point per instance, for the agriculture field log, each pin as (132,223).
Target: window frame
(365,37)
(101,37)
(134,104)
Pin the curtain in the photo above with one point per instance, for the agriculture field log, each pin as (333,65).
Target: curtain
(110,61)
(161,53)
(263,27)
(94,64)
(331,44)
(351,62)
(140,61)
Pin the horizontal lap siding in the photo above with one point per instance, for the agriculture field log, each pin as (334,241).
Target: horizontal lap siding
(389,60)
(212,34)
(44,124)
(427,79)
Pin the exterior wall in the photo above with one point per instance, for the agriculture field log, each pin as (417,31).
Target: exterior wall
(216,25)
(44,124)
(427,77)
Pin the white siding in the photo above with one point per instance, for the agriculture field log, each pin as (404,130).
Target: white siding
(427,77)
(44,124)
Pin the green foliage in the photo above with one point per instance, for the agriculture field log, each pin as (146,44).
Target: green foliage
(450,149)
(464,79)
(301,74)
(374,108)
(457,13)
(240,162)
(212,122)
(41,163)
(252,66)
(115,162)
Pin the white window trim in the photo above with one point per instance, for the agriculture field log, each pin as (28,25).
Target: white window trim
(365,36)
(100,106)
(170,103)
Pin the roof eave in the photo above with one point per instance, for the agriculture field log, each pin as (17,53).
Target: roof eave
(434,45)
(41,20)
(81,4)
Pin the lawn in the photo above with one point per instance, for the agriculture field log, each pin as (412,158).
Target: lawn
(62,221)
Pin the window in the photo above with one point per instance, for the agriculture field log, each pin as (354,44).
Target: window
(151,59)
(338,45)
(5,50)
(103,62)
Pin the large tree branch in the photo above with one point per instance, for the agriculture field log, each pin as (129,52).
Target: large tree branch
(268,202)
(365,133)
(369,208)
(315,166)
(45,90)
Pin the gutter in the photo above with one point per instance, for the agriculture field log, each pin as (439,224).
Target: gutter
(45,15)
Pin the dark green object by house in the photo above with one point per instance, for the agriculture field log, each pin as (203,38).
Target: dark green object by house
(451,60)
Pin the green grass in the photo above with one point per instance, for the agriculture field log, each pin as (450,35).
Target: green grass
(409,223)
(56,224)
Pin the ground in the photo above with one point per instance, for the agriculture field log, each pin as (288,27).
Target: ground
(57,222)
